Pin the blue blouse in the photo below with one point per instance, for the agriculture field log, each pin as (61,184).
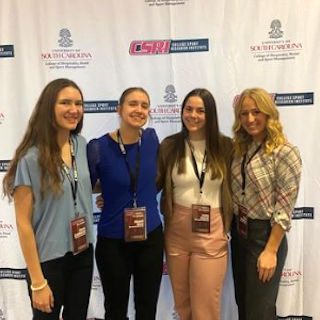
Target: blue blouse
(107,163)
(52,215)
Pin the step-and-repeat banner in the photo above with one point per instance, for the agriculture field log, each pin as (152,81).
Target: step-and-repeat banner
(168,47)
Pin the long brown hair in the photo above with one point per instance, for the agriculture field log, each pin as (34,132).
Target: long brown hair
(215,161)
(42,133)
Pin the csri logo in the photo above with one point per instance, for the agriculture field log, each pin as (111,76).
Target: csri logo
(142,47)
(65,40)
(276,31)
(170,95)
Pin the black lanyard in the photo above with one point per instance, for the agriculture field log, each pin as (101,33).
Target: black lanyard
(243,164)
(195,167)
(133,178)
(74,181)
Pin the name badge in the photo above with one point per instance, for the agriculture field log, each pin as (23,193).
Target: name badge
(243,221)
(135,224)
(79,234)
(200,218)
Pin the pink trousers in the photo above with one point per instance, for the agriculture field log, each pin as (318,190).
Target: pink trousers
(197,264)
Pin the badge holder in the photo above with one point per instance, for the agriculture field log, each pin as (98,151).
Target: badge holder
(79,235)
(243,221)
(201,218)
(135,224)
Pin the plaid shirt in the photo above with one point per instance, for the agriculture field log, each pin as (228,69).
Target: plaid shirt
(272,183)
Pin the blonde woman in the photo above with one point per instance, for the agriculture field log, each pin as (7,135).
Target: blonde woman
(265,180)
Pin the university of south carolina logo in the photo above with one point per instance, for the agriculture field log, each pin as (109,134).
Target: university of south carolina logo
(276,47)
(65,40)
(67,55)
(167,111)
(276,31)
(96,282)
(170,95)
(6,230)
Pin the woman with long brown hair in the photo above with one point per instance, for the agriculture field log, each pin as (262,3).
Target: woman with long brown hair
(193,172)
(48,180)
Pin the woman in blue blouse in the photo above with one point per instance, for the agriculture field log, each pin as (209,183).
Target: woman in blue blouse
(49,182)
(130,237)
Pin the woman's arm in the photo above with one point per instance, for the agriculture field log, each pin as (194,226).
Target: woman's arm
(42,297)
(97,187)
(93,156)
(287,173)
(267,261)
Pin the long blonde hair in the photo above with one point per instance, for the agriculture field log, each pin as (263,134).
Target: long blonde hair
(274,134)
(42,133)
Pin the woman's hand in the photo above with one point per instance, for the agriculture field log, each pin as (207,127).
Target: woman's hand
(43,299)
(267,263)
(99,202)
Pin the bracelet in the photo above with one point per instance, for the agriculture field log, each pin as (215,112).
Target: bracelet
(40,287)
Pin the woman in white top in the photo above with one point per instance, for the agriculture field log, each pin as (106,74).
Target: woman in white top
(193,172)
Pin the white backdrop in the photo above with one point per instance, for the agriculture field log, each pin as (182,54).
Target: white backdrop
(168,47)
